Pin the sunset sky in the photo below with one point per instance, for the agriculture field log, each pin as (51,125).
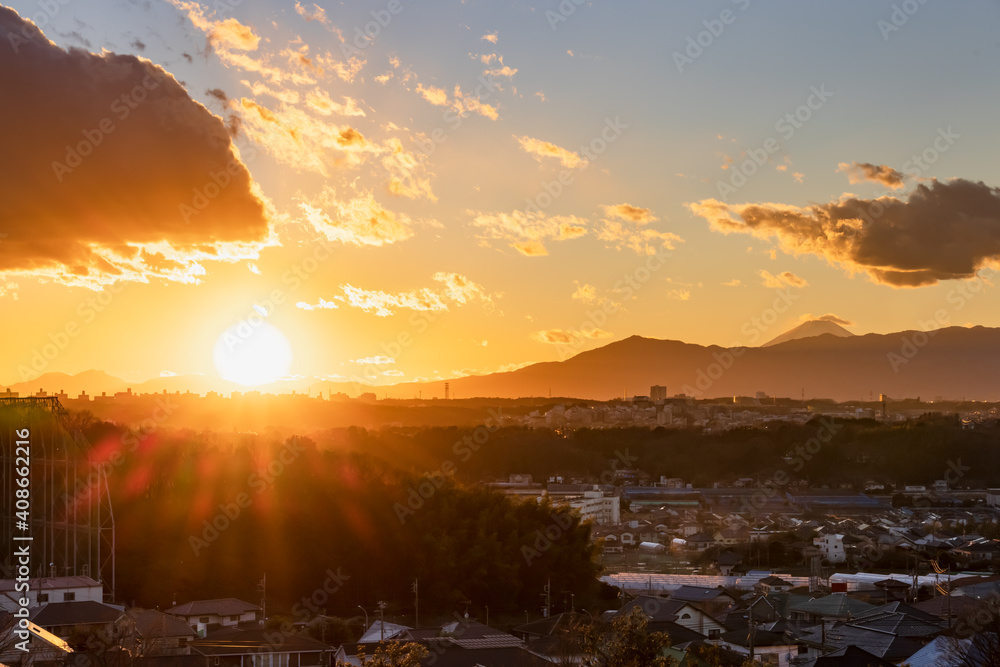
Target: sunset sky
(493,183)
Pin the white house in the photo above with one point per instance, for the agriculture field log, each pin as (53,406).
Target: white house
(225,612)
(831,547)
(50,589)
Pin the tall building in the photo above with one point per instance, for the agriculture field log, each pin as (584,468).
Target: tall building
(657,393)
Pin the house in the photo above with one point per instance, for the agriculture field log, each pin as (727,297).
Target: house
(557,638)
(62,618)
(51,589)
(894,648)
(149,632)
(835,607)
(831,548)
(772,584)
(770,647)
(257,647)
(851,656)
(224,612)
(666,610)
(700,542)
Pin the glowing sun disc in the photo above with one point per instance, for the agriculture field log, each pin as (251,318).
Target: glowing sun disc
(252,354)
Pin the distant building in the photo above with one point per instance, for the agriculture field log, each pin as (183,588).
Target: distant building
(225,612)
(831,547)
(657,393)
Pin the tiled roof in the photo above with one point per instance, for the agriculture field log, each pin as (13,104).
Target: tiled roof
(220,607)
(85,612)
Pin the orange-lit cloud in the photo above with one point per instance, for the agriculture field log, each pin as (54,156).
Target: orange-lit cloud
(859,172)
(942,231)
(359,221)
(459,102)
(572,337)
(119,174)
(320,102)
(527,231)
(296,138)
(225,34)
(624,228)
(453,288)
(546,149)
(405,173)
(782,279)
(586,293)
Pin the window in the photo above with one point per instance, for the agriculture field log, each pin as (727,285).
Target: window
(714,633)
(234,618)
(203,619)
(69,597)
(43,597)
(685,615)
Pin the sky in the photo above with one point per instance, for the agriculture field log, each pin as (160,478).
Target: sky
(401,191)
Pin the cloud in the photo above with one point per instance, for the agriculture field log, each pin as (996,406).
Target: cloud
(452,288)
(782,279)
(296,138)
(320,102)
(110,153)
(942,231)
(586,293)
(546,149)
(829,317)
(527,231)
(630,213)
(459,102)
(226,34)
(571,337)
(328,305)
(859,172)
(405,173)
(377,360)
(735,282)
(359,221)
(624,228)
(491,37)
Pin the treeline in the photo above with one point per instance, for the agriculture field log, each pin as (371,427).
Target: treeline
(205,515)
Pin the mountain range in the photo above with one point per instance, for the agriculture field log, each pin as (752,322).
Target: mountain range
(953,362)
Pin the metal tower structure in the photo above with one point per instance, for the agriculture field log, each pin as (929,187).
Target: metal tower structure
(71,520)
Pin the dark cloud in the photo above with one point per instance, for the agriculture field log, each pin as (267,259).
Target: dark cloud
(218,94)
(858,172)
(138,44)
(942,231)
(188,57)
(113,171)
(77,37)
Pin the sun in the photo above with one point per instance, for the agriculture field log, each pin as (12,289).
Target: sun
(251,354)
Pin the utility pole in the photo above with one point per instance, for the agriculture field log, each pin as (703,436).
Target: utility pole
(262,588)
(416,603)
(752,629)
(381,620)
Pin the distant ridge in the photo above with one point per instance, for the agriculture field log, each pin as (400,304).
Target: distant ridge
(808,330)
(953,363)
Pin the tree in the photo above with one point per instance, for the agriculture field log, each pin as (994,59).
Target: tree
(627,643)
(392,654)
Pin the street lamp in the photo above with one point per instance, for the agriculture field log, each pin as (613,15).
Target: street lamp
(366,618)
